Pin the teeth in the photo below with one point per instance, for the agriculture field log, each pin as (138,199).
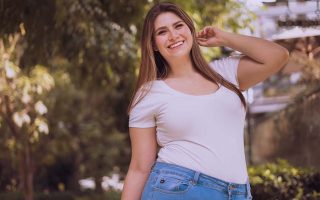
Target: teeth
(175,45)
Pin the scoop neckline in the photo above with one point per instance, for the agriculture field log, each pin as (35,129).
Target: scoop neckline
(190,95)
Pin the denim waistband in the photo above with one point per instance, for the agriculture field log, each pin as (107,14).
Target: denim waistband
(199,178)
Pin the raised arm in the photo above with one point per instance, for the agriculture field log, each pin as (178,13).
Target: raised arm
(143,155)
(262,58)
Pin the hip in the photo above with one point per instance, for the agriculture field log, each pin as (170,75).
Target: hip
(169,181)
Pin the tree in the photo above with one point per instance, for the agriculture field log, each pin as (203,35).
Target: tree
(22,109)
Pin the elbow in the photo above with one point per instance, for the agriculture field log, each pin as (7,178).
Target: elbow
(141,166)
(282,58)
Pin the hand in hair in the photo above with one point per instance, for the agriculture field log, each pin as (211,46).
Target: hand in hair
(210,36)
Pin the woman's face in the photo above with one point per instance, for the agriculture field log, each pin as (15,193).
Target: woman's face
(172,36)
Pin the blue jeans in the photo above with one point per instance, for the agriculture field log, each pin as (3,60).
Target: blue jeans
(173,182)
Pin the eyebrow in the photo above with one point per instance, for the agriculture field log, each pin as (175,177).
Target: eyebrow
(163,27)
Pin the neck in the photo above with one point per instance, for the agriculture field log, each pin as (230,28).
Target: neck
(181,67)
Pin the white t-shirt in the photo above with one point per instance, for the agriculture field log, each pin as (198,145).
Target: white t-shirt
(203,133)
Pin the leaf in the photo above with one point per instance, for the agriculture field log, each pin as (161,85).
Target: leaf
(11,69)
(40,108)
(21,118)
(41,125)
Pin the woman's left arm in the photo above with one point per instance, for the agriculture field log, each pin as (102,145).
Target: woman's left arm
(262,58)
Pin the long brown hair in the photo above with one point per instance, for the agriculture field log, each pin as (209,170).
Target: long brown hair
(153,66)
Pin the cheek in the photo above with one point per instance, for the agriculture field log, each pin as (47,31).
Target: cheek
(191,39)
(186,30)
(187,33)
(190,34)
(160,42)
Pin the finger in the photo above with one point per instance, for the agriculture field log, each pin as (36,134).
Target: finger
(204,32)
(211,31)
(201,43)
(207,29)
(202,39)
(201,33)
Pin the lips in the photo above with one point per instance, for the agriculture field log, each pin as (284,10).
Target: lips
(176,44)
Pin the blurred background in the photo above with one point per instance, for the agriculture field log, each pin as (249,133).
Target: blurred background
(67,71)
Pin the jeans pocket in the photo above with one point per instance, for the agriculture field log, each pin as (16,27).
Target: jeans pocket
(170,183)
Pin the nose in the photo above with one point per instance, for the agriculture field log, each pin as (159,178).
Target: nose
(173,34)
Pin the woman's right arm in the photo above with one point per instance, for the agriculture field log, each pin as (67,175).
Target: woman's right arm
(143,156)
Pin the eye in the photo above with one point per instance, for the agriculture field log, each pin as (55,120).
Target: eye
(179,25)
(161,32)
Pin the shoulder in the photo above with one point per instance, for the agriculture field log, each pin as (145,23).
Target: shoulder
(225,63)
(227,67)
(151,89)
(146,106)
(149,93)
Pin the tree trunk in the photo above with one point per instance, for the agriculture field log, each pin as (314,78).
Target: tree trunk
(24,153)
(97,181)
(26,171)
(73,183)
(21,170)
(29,174)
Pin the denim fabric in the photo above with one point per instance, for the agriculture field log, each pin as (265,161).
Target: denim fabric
(173,182)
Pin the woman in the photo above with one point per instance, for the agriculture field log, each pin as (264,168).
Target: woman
(194,111)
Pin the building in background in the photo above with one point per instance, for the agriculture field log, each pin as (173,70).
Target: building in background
(294,24)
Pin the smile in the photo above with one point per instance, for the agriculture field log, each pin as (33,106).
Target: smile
(177,44)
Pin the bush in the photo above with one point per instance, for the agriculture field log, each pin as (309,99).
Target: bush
(280,180)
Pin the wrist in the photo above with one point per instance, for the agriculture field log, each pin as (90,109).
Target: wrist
(225,38)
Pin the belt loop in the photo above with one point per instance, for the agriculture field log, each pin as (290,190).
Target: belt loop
(195,178)
(248,189)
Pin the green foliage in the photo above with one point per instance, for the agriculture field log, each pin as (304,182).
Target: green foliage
(282,181)
(21,97)
(23,110)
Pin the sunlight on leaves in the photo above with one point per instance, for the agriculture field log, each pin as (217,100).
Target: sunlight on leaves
(42,125)
(11,70)
(40,108)
(26,98)
(21,118)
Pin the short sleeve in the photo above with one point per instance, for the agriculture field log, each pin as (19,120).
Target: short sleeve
(142,115)
(227,68)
